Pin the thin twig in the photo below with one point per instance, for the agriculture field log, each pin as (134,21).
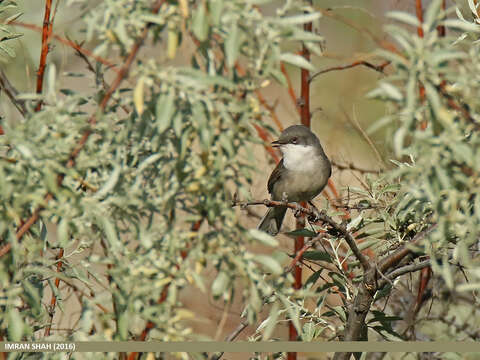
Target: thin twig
(291,91)
(363,133)
(300,253)
(53,301)
(70,43)
(380,68)
(408,269)
(12,93)
(352,166)
(394,258)
(232,336)
(47,30)
(316,216)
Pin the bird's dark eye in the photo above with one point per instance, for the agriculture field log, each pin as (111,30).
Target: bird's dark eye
(294,140)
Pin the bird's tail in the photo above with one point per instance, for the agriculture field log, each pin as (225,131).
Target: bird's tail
(272,221)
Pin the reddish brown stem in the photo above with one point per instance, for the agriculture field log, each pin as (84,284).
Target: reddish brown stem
(425,276)
(304,105)
(241,71)
(70,43)
(441,28)
(46,31)
(419,11)
(53,301)
(380,68)
(291,91)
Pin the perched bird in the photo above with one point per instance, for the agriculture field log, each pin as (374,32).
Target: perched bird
(301,175)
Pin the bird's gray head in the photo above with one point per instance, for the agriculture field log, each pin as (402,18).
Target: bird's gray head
(300,147)
(297,135)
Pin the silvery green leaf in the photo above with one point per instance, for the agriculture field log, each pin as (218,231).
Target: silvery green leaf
(404,17)
(354,222)
(198,279)
(297,19)
(255,300)
(433,98)
(308,331)
(473,7)
(232,45)
(432,14)
(15,325)
(263,237)
(220,283)
(200,22)
(62,231)
(391,91)
(296,60)
(461,25)
(123,325)
(270,263)
(111,182)
(111,233)
(398,140)
(216,8)
(164,111)
(269,324)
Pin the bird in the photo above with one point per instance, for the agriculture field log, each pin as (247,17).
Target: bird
(301,174)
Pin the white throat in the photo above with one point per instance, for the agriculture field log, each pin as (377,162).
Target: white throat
(302,158)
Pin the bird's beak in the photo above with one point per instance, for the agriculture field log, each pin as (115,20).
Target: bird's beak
(276,143)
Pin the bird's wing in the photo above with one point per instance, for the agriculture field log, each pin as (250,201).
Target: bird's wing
(275,176)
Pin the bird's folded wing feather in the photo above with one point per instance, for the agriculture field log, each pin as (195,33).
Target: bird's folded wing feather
(275,176)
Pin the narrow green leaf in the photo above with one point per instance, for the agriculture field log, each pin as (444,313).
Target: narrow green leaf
(317,255)
(232,45)
(270,263)
(298,19)
(164,111)
(220,283)
(271,321)
(302,232)
(404,17)
(200,22)
(297,60)
(15,325)
(263,237)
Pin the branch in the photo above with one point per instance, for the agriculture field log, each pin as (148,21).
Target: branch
(355,329)
(315,216)
(408,269)
(300,253)
(232,336)
(380,68)
(70,43)
(53,301)
(398,255)
(12,93)
(352,166)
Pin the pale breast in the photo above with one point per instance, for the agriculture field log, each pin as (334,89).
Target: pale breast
(305,184)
